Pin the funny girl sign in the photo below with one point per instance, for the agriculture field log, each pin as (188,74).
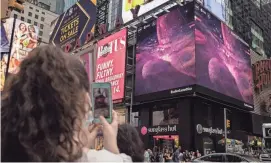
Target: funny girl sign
(110,64)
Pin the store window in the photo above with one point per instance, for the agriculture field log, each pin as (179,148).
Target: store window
(257,39)
(165,116)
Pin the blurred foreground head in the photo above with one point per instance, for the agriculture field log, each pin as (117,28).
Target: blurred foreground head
(43,108)
(130,143)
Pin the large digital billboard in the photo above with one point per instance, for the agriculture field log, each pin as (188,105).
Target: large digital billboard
(165,55)
(111,61)
(75,26)
(222,59)
(134,8)
(25,39)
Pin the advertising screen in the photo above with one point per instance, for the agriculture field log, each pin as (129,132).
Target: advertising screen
(134,8)
(74,27)
(110,63)
(25,39)
(165,54)
(222,59)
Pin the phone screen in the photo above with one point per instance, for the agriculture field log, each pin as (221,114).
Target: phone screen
(101,102)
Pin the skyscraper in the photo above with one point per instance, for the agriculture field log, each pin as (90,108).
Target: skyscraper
(60,6)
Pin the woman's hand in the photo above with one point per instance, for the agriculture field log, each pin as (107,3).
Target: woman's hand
(110,132)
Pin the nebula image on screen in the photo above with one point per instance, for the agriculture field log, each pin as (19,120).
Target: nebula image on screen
(222,60)
(165,54)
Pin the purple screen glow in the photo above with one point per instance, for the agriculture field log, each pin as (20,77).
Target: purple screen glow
(165,55)
(222,60)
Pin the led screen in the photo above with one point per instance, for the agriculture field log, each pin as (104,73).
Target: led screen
(222,59)
(165,54)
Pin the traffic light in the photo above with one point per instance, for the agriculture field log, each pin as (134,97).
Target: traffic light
(228,124)
(16,5)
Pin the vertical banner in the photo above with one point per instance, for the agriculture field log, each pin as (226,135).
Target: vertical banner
(87,57)
(110,63)
(25,39)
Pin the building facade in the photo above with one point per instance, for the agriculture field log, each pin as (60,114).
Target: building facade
(38,16)
(252,21)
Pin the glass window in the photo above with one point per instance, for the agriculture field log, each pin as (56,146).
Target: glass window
(29,21)
(31,7)
(213,158)
(232,158)
(22,18)
(42,19)
(165,116)
(37,10)
(257,39)
(29,14)
(41,26)
(15,15)
(35,23)
(40,33)
(43,13)
(36,16)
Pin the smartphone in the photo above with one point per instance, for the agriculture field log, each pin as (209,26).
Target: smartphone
(102,104)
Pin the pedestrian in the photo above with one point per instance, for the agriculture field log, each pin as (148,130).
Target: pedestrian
(45,110)
(146,156)
(198,154)
(176,154)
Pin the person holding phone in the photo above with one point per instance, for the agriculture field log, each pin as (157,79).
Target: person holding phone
(45,113)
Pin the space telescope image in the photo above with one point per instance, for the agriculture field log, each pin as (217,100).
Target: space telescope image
(222,59)
(165,54)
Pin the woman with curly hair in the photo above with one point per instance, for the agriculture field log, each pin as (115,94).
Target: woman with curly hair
(130,143)
(44,113)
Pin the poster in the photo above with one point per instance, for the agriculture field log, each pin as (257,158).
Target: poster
(6,32)
(75,26)
(25,38)
(110,63)
(3,70)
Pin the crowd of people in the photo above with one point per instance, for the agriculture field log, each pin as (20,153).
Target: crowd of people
(166,155)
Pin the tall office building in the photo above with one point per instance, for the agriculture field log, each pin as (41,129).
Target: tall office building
(60,6)
(36,14)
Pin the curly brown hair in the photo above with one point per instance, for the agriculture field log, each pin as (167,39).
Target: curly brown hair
(41,107)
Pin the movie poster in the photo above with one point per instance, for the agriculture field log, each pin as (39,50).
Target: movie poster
(165,53)
(222,59)
(75,27)
(110,63)
(25,39)
(6,32)
(4,66)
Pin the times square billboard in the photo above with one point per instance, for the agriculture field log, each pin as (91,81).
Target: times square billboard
(75,27)
(190,50)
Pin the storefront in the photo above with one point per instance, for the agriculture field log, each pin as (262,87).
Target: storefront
(199,125)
